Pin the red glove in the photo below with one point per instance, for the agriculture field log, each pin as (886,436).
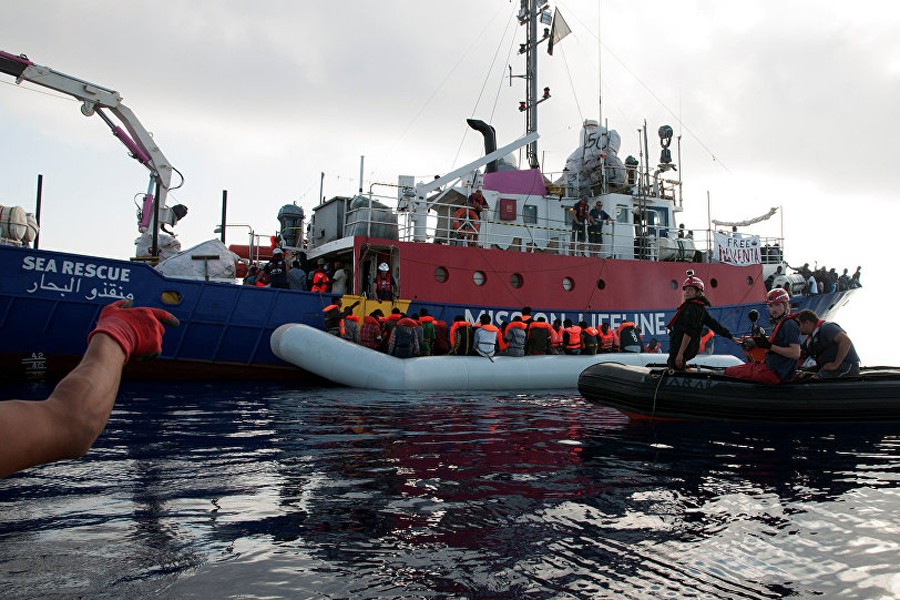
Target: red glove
(138,331)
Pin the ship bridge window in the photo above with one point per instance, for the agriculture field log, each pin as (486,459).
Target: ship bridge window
(529,214)
(658,222)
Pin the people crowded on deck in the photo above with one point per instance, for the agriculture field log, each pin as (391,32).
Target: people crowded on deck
(782,345)
(686,327)
(828,346)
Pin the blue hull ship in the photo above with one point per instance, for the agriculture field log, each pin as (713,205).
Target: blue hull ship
(49,302)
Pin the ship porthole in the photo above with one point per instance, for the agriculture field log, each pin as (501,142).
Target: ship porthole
(479,278)
(568,284)
(749,280)
(515,280)
(673,284)
(714,282)
(601,285)
(170,298)
(441,275)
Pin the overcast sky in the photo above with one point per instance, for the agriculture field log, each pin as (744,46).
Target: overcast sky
(788,104)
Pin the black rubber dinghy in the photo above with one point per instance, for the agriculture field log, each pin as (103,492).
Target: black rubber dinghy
(707,395)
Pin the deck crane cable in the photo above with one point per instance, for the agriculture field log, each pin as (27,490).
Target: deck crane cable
(437,89)
(653,95)
(487,78)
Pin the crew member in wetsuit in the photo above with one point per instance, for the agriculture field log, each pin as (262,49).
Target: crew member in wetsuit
(686,326)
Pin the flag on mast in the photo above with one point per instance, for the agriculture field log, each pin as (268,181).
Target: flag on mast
(558,30)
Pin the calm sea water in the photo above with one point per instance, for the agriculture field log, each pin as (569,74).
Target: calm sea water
(261,491)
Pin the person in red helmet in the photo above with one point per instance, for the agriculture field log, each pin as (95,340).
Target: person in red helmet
(782,346)
(686,327)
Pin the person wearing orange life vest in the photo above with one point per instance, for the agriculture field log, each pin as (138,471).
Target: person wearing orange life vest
(320,279)
(571,336)
(351,329)
(539,337)
(515,337)
(629,337)
(370,330)
(387,327)
(607,338)
(782,345)
(590,338)
(686,325)
(556,337)
(653,347)
(487,337)
(385,286)
(404,342)
(335,315)
(429,332)
(460,337)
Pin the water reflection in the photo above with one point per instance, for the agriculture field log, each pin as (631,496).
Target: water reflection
(360,494)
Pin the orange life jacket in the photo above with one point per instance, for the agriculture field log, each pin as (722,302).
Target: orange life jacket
(501,344)
(607,339)
(320,282)
(705,338)
(574,342)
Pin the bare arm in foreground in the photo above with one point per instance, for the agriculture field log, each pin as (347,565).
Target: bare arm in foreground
(66,424)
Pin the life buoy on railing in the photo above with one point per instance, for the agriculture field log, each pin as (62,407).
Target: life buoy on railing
(465,222)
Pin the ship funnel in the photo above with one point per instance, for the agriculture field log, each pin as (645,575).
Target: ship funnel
(490,141)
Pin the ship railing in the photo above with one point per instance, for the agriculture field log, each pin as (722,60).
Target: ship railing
(448,225)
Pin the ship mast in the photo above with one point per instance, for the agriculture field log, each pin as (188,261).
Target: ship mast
(530,13)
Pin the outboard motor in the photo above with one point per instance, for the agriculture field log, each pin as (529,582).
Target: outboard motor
(290,216)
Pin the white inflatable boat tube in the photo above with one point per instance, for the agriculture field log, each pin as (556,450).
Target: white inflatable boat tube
(353,365)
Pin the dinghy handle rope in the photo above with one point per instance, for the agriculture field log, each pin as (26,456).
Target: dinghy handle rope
(656,391)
